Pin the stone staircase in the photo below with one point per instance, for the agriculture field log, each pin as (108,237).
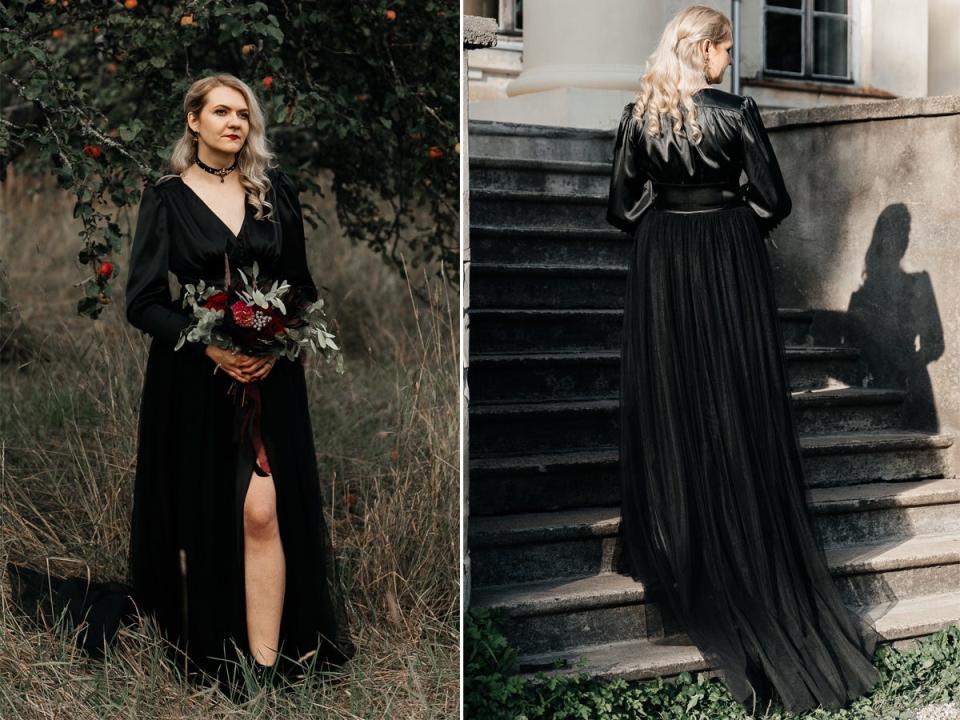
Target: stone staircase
(547,285)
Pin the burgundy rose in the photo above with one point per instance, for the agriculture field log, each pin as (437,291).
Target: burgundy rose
(217,301)
(274,327)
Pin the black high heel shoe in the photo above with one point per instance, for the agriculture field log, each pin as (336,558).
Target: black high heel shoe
(266,674)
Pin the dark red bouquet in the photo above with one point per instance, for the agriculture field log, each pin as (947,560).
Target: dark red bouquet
(261,318)
(247,317)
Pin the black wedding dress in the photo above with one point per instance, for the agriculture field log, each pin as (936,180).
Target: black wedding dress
(186,564)
(714,516)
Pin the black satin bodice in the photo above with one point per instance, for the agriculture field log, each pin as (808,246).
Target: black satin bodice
(177,232)
(190,260)
(734,141)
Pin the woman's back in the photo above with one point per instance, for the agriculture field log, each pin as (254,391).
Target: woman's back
(733,141)
(675,159)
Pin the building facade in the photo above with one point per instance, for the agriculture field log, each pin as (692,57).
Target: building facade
(575,63)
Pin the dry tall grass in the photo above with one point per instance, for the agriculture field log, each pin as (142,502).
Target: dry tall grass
(386,436)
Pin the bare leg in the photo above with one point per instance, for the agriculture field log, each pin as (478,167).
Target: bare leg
(264,569)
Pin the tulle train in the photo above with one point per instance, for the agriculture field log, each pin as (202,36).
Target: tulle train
(714,513)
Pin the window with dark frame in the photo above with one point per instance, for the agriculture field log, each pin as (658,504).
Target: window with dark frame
(507,13)
(807,39)
(510,17)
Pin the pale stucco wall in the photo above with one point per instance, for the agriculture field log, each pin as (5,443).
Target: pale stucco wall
(944,68)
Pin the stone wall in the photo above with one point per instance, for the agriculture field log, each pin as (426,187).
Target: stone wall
(873,241)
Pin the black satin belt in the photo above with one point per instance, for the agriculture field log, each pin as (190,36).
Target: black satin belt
(695,198)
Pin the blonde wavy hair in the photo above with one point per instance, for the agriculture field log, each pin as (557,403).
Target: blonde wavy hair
(675,70)
(254,157)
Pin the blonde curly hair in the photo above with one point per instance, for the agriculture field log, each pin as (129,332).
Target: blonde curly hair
(676,69)
(254,157)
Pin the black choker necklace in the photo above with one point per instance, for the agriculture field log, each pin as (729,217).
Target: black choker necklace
(215,171)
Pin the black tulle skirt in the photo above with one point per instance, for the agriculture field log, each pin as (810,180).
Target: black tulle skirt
(715,520)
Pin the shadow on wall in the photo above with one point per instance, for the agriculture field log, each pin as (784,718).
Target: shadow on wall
(894,319)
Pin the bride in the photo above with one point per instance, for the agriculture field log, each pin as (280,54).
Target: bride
(229,550)
(714,517)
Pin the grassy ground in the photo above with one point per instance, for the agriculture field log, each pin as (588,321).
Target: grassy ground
(386,436)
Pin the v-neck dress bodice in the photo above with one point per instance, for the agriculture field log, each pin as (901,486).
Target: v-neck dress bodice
(206,205)
(178,232)
(193,467)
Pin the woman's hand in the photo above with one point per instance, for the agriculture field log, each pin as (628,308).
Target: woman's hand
(242,368)
(262,366)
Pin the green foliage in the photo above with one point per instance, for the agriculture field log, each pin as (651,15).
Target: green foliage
(491,688)
(927,673)
(369,89)
(930,671)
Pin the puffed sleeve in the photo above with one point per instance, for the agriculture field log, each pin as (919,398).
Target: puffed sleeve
(631,192)
(149,306)
(765,192)
(293,252)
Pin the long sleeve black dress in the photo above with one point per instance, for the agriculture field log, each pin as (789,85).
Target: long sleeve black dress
(714,517)
(186,547)
(186,565)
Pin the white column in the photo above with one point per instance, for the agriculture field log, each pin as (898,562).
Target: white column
(582,62)
(600,45)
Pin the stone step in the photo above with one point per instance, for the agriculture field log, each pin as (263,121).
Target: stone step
(553,177)
(517,428)
(555,481)
(548,245)
(539,546)
(554,376)
(526,209)
(536,142)
(537,285)
(554,615)
(525,330)
(898,623)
